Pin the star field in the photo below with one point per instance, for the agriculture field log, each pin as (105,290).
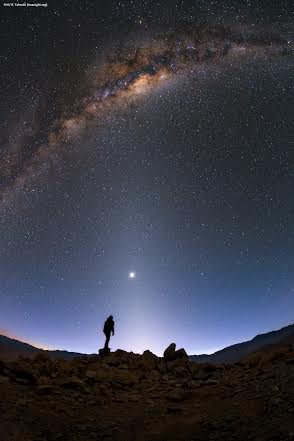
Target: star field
(147,172)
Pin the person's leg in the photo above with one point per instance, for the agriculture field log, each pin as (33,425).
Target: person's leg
(107,341)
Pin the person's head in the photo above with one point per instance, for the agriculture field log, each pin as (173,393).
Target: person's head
(110,317)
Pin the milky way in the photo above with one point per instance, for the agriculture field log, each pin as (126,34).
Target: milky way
(127,76)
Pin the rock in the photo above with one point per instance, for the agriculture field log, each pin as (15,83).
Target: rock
(192,384)
(121,354)
(155,375)
(173,408)
(174,364)
(177,394)
(72,383)
(161,366)
(104,375)
(165,377)
(209,382)
(23,375)
(125,378)
(148,354)
(169,353)
(181,353)
(150,402)
(90,374)
(276,402)
(47,389)
(133,399)
(4,379)
(104,390)
(2,367)
(148,361)
(104,351)
(124,366)
(200,375)
(116,385)
(180,371)
(119,400)
(41,357)
(22,402)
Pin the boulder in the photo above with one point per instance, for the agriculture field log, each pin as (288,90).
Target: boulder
(104,351)
(121,354)
(171,354)
(72,383)
(176,395)
(174,408)
(161,366)
(180,371)
(123,366)
(174,364)
(3,379)
(125,378)
(90,376)
(181,353)
(192,384)
(2,367)
(147,361)
(22,374)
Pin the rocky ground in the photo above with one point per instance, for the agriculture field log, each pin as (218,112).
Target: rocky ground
(124,396)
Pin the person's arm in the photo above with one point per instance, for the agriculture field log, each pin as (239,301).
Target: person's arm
(113,329)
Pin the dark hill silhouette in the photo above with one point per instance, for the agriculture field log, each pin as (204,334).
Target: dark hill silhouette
(10,349)
(236,352)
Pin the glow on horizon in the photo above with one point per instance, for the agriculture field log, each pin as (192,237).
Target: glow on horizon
(37,345)
(138,345)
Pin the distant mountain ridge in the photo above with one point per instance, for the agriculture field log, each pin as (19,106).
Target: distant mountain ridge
(11,349)
(234,353)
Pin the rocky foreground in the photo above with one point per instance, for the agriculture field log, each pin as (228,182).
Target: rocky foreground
(125,396)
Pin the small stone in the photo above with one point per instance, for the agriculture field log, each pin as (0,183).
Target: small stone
(90,374)
(165,377)
(124,366)
(210,382)
(176,395)
(150,402)
(72,383)
(174,408)
(47,389)
(180,371)
(21,402)
(193,384)
(3,379)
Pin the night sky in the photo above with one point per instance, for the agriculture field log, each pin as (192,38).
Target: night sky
(153,137)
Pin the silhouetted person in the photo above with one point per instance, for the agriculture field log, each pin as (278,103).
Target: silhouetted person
(108,328)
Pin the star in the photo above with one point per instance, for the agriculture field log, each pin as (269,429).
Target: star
(132,275)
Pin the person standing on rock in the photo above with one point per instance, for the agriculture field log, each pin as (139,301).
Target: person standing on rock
(108,328)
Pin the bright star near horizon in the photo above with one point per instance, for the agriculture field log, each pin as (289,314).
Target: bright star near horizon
(132,275)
